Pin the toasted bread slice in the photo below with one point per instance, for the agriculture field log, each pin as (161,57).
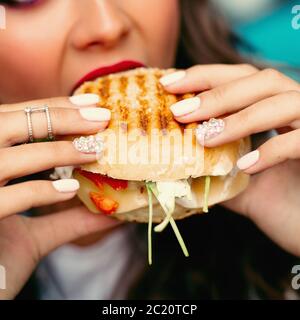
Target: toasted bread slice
(143,141)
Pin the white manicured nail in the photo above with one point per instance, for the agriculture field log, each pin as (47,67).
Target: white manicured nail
(172,78)
(186,106)
(248,160)
(66,185)
(85,100)
(95,114)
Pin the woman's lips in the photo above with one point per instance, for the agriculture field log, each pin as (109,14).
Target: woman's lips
(118,67)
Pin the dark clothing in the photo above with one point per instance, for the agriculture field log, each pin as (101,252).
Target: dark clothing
(229,259)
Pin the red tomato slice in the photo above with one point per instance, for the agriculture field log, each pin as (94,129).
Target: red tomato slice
(98,179)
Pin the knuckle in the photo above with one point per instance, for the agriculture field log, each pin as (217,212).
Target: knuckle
(34,189)
(65,116)
(217,95)
(205,79)
(269,149)
(195,67)
(5,121)
(248,68)
(243,119)
(293,100)
(57,117)
(3,173)
(59,150)
(2,116)
(7,130)
(53,103)
(285,146)
(281,147)
(273,79)
(37,193)
(272,74)
(294,97)
(279,81)
(276,142)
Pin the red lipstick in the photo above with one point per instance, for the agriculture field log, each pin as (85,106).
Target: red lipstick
(118,67)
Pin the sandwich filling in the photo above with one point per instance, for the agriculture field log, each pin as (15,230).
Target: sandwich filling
(108,196)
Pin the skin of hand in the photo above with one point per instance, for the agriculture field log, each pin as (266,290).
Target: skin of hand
(83,36)
(252,101)
(25,240)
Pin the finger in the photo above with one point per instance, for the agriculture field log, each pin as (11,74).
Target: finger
(54,230)
(276,150)
(23,196)
(14,127)
(74,102)
(233,96)
(205,77)
(275,112)
(44,234)
(32,158)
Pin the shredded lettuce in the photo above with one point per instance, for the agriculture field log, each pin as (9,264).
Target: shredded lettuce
(167,191)
(167,205)
(206,193)
(153,188)
(150,224)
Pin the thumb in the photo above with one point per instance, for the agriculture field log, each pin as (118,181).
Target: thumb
(54,230)
(238,204)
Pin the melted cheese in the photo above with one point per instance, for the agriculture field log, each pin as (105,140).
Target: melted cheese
(128,199)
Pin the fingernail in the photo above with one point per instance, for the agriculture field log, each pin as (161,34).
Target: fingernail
(66,185)
(85,100)
(95,114)
(209,129)
(248,160)
(90,144)
(172,78)
(185,107)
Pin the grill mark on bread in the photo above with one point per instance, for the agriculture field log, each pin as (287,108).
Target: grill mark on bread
(124,112)
(163,116)
(143,118)
(89,88)
(167,121)
(141,82)
(122,107)
(123,86)
(103,91)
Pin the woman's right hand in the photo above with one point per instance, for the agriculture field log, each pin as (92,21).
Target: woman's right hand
(23,240)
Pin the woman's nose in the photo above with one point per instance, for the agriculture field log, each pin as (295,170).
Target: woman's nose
(101,22)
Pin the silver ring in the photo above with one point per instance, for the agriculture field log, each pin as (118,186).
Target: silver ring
(29,123)
(28,111)
(49,123)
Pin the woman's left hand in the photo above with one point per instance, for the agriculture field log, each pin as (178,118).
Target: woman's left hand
(252,101)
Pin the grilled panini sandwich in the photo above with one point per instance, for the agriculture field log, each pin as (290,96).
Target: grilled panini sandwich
(144,150)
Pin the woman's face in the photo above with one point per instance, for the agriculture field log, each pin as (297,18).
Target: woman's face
(49,45)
